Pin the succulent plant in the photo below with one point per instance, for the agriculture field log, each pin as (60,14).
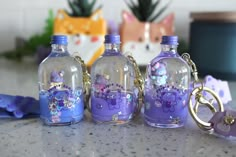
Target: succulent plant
(82,8)
(144,9)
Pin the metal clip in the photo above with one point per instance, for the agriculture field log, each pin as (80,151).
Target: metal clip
(197,94)
(86,81)
(138,82)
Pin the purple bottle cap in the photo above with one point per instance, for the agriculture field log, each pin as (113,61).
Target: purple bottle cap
(112,39)
(169,40)
(59,39)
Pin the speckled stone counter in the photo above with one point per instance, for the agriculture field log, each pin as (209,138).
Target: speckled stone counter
(29,138)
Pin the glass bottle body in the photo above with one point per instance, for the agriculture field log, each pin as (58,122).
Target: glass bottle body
(113,94)
(166,89)
(60,88)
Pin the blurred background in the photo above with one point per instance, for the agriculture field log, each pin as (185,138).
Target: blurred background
(31,23)
(24,18)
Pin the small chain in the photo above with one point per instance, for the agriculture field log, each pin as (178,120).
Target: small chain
(86,80)
(199,96)
(192,65)
(138,82)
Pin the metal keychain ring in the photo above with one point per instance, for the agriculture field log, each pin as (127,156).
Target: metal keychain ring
(201,123)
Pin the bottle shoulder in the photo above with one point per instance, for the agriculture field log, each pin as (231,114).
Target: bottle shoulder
(167,59)
(66,62)
(171,65)
(112,65)
(110,60)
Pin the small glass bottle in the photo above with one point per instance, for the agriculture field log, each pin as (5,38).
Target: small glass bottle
(113,94)
(60,86)
(166,87)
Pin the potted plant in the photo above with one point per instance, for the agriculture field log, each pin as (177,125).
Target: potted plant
(140,34)
(85,27)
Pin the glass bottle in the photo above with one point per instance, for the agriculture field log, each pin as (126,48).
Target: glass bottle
(60,86)
(113,94)
(166,87)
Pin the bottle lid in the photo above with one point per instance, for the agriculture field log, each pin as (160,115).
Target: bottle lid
(169,40)
(112,38)
(59,39)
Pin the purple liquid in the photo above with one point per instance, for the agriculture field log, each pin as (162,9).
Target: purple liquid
(166,106)
(112,107)
(61,108)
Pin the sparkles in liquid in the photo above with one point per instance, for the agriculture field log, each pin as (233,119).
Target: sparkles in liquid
(61,106)
(112,106)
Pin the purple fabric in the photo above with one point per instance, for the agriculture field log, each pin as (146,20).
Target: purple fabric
(18,106)
(220,127)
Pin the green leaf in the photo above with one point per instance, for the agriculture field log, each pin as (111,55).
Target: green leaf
(76,11)
(153,7)
(85,4)
(49,23)
(132,3)
(147,8)
(137,13)
(85,8)
(144,9)
(76,2)
(135,10)
(91,5)
(160,12)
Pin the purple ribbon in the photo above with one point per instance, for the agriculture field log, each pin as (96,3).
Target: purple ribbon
(18,106)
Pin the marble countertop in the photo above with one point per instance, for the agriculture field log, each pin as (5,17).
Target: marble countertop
(29,138)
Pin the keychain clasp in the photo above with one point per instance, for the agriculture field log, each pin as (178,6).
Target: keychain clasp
(198,96)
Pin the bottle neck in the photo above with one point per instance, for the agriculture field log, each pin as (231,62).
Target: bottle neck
(113,48)
(56,48)
(169,49)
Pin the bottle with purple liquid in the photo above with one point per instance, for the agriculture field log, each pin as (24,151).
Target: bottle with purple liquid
(60,86)
(113,93)
(166,87)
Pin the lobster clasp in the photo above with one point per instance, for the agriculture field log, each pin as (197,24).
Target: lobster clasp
(197,94)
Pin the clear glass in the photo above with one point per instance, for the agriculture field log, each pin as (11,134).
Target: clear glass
(60,88)
(113,94)
(166,89)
